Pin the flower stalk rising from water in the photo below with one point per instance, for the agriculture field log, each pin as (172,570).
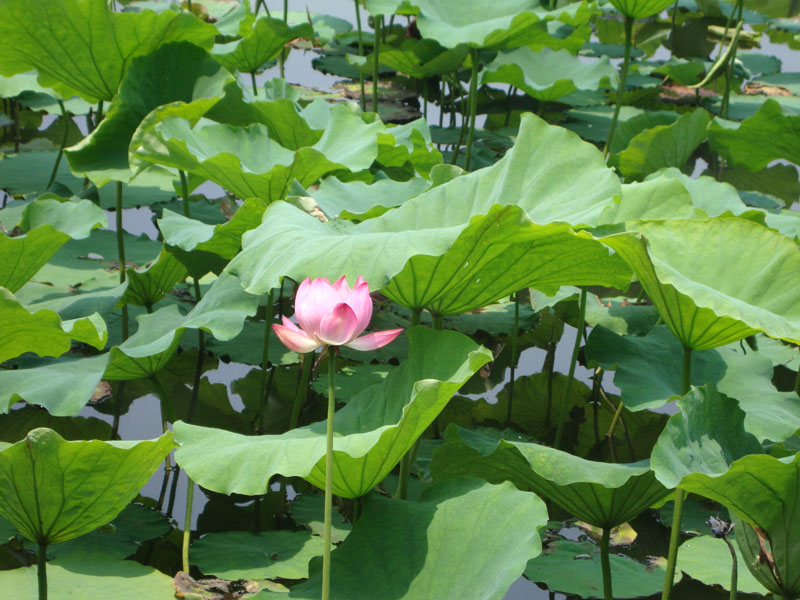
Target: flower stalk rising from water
(330,316)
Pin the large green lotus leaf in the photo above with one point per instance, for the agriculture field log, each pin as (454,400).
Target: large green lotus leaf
(657,198)
(410,143)
(357,200)
(75,306)
(86,265)
(763,492)
(372,432)
(433,550)
(500,25)
(602,494)
(268,555)
(640,9)
(82,47)
(43,332)
(708,559)
(246,161)
(664,145)
(531,174)
(547,75)
(263,41)
(54,490)
(422,58)
(149,285)
(766,136)
(75,217)
(703,302)
(95,575)
(648,374)
(24,255)
(202,247)
(574,568)
(714,198)
(706,436)
(180,72)
(221,312)
(779,181)
(498,254)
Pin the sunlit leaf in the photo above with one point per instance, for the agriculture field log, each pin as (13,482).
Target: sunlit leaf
(708,559)
(371,433)
(432,554)
(54,490)
(260,43)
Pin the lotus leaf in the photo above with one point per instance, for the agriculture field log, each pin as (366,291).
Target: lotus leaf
(708,559)
(54,490)
(530,175)
(179,72)
(372,432)
(434,540)
(547,75)
(602,494)
(767,135)
(574,568)
(640,9)
(703,302)
(706,436)
(148,286)
(88,57)
(244,555)
(43,332)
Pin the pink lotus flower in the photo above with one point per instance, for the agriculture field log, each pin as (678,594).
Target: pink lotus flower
(332,315)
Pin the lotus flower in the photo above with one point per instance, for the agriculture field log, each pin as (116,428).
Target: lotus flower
(331,315)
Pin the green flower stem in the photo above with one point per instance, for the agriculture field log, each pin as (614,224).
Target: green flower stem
(626,61)
(562,413)
(612,429)
(410,456)
(121,255)
(677,512)
(473,104)
(376,61)
(606,564)
(464,123)
(253,82)
(187,524)
(363,98)
(326,538)
(189,5)
(61,148)
(265,349)
(42,570)
(514,336)
(302,390)
(734,569)
(283,50)
(201,338)
(167,415)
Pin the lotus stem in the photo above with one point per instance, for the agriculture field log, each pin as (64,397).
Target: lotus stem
(326,539)
(612,428)
(117,410)
(189,5)
(473,104)
(672,27)
(360,53)
(626,61)
(121,255)
(464,123)
(411,455)
(677,513)
(302,389)
(734,568)
(17,136)
(511,93)
(42,570)
(187,524)
(514,336)
(563,410)
(606,564)
(378,20)
(253,82)
(283,49)
(201,338)
(548,367)
(61,148)
(725,107)
(265,357)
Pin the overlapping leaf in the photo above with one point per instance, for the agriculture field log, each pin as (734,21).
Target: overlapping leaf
(371,433)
